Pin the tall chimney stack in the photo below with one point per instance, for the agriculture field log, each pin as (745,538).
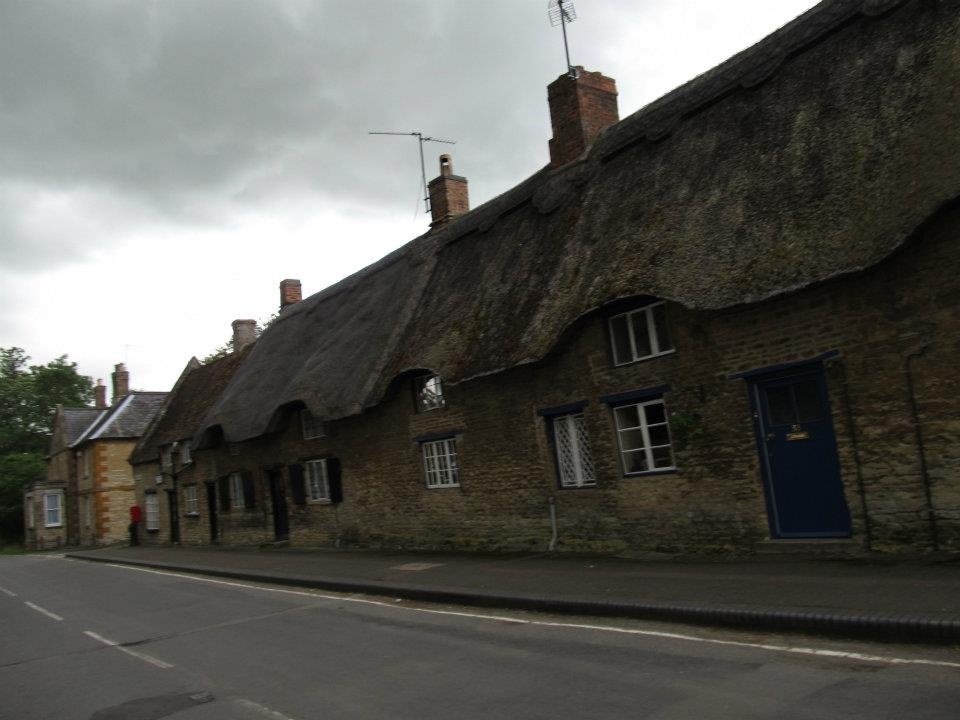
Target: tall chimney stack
(581,105)
(100,395)
(290,293)
(121,382)
(448,194)
(244,333)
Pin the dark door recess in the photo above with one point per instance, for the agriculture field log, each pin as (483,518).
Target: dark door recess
(278,502)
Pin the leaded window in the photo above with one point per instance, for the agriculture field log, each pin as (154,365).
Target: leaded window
(644,436)
(440,463)
(640,334)
(429,390)
(574,461)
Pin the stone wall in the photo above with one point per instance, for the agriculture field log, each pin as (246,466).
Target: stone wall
(891,335)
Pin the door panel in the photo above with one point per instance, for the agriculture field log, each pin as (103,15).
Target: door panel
(278,498)
(799,454)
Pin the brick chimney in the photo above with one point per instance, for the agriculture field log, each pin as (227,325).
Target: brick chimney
(244,333)
(580,107)
(448,194)
(290,293)
(100,395)
(121,382)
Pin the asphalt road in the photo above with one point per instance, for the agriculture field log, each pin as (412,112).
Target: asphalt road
(83,640)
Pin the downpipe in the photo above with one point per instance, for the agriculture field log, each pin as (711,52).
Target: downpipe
(921,448)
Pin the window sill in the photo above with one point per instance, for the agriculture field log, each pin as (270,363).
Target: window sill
(311,501)
(574,488)
(443,487)
(52,527)
(192,514)
(648,473)
(645,358)
(153,531)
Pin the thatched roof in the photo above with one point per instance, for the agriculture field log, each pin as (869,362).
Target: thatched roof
(813,154)
(191,397)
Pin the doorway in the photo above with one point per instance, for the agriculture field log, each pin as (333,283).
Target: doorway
(278,501)
(798,454)
(173,507)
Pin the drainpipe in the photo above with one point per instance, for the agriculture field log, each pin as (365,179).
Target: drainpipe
(855,446)
(553,525)
(921,450)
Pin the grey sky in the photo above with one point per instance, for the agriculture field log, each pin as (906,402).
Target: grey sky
(163,165)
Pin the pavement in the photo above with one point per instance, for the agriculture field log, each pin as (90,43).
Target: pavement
(916,601)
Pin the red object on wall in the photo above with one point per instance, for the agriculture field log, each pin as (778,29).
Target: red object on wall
(136,514)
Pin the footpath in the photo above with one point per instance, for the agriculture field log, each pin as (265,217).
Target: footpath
(880,600)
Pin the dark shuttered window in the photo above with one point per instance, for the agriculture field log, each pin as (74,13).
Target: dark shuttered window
(249,495)
(297,489)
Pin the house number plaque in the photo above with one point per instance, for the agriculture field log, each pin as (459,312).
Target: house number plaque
(797,433)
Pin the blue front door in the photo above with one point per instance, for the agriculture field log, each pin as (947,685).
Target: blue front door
(798,451)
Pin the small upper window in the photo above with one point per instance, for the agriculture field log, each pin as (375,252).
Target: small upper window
(52,504)
(640,334)
(185,457)
(166,457)
(312,426)
(429,391)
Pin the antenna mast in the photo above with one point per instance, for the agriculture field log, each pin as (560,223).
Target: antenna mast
(560,13)
(423,167)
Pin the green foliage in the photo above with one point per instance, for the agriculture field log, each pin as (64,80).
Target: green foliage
(28,394)
(685,428)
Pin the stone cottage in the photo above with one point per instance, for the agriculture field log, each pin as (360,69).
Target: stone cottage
(725,323)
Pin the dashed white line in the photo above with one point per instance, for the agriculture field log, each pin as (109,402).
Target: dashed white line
(7,592)
(263,710)
(139,655)
(39,609)
(791,649)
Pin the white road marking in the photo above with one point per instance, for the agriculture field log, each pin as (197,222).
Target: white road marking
(414,566)
(263,710)
(39,609)
(7,592)
(139,655)
(791,649)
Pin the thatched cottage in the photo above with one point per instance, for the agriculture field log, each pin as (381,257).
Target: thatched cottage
(724,323)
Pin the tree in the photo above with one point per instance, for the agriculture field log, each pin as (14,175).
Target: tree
(28,394)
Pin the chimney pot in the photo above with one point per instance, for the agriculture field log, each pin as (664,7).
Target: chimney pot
(582,104)
(121,382)
(244,333)
(449,196)
(100,395)
(290,293)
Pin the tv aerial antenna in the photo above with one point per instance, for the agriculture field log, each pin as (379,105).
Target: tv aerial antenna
(423,168)
(562,12)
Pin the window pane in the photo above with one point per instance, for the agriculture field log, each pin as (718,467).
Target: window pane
(662,457)
(807,394)
(662,331)
(631,440)
(627,417)
(780,406)
(641,334)
(620,337)
(635,461)
(659,435)
(655,413)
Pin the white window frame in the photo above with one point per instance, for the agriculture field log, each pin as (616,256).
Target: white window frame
(236,491)
(318,481)
(191,502)
(185,457)
(48,508)
(440,463)
(655,349)
(310,426)
(166,458)
(582,473)
(151,511)
(644,428)
(429,391)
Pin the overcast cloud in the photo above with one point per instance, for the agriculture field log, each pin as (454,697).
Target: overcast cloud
(163,165)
